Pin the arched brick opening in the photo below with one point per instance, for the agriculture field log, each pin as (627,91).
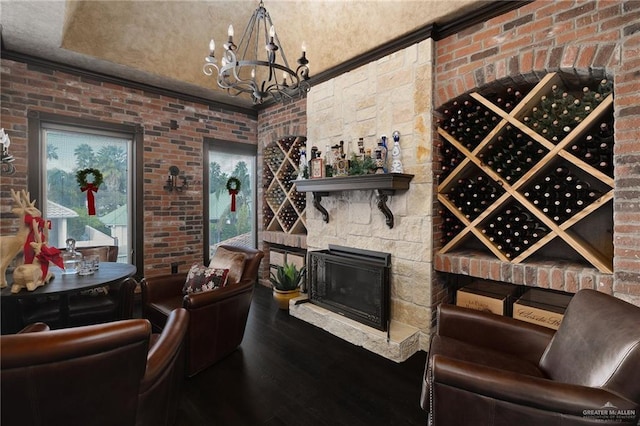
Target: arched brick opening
(487,81)
(544,274)
(281,121)
(276,123)
(285,131)
(582,40)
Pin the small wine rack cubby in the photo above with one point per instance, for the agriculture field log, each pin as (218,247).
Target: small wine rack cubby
(524,167)
(284,207)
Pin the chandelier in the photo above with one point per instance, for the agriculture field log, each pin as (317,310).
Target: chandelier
(253,67)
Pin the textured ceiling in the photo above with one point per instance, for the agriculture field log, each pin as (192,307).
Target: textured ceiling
(163,43)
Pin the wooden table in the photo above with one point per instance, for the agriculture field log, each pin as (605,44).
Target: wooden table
(61,285)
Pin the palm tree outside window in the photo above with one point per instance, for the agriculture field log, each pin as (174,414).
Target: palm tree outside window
(69,150)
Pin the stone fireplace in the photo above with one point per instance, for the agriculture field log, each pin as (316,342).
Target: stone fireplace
(351,282)
(348,295)
(393,93)
(400,92)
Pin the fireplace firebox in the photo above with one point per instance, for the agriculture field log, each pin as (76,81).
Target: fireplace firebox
(351,282)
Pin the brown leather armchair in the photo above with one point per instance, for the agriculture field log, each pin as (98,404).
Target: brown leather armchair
(94,375)
(484,369)
(218,317)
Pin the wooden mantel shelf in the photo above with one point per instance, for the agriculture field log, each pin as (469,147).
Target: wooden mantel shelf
(384,184)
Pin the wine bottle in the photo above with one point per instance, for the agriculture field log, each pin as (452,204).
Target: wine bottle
(605,88)
(509,99)
(590,98)
(605,132)
(577,149)
(538,232)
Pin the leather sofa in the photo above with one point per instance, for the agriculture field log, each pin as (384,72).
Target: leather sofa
(107,374)
(218,317)
(485,369)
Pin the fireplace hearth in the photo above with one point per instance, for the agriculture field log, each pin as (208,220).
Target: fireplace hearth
(351,282)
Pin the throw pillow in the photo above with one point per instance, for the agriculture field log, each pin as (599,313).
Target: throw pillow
(200,278)
(229,259)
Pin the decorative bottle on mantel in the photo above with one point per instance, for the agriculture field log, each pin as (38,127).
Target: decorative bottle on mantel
(328,161)
(384,153)
(396,154)
(361,151)
(303,171)
(378,159)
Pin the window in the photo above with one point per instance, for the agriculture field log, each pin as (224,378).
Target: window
(59,148)
(230,160)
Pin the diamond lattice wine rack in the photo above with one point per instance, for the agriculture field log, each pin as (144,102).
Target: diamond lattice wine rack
(284,207)
(523,169)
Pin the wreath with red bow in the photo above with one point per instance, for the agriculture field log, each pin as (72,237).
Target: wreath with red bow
(90,187)
(233,186)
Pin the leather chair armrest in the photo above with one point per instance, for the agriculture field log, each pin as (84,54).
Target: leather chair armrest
(162,287)
(72,342)
(35,328)
(199,300)
(484,329)
(123,294)
(166,348)
(523,390)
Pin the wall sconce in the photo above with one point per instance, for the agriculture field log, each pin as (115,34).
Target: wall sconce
(7,159)
(172,180)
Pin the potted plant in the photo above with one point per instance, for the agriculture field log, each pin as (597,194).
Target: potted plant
(286,283)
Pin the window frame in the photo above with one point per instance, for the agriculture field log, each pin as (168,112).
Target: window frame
(36,120)
(232,148)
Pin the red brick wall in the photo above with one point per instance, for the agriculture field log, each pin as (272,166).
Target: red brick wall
(582,37)
(173,221)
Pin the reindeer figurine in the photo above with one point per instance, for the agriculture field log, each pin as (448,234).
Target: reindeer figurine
(10,245)
(36,274)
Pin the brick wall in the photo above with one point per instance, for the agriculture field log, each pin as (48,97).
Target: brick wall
(173,221)
(584,38)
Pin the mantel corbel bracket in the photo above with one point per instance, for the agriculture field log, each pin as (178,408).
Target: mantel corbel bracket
(317,198)
(384,185)
(382,196)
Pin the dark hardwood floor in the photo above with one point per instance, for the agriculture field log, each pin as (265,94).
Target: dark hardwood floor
(288,372)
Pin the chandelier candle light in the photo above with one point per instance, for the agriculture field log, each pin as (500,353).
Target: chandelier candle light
(243,67)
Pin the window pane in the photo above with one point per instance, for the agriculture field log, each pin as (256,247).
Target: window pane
(225,226)
(68,151)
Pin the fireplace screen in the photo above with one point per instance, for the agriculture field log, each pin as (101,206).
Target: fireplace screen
(351,282)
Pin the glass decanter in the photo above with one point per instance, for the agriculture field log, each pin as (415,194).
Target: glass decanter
(71,258)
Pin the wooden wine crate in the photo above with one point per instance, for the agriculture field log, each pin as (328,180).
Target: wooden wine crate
(280,254)
(512,191)
(284,207)
(296,259)
(276,257)
(542,307)
(488,296)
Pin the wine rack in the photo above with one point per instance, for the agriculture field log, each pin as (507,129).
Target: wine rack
(520,170)
(284,207)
